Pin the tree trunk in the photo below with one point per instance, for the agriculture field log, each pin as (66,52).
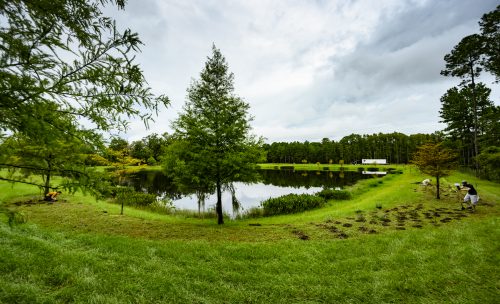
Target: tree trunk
(48,174)
(218,206)
(47,184)
(437,188)
(474,101)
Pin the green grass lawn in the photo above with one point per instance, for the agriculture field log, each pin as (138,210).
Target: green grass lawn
(415,249)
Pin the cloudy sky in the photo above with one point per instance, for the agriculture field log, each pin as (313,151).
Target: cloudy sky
(309,69)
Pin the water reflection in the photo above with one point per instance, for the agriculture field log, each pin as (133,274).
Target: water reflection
(273,183)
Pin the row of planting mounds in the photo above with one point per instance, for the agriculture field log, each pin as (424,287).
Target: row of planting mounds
(291,203)
(329,194)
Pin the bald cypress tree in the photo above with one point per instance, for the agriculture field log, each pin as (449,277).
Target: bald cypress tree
(215,128)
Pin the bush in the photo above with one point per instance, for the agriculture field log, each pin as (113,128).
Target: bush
(254,212)
(129,197)
(291,203)
(326,168)
(489,160)
(152,161)
(329,194)
(287,167)
(372,169)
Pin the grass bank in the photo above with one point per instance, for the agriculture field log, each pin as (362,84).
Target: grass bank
(414,249)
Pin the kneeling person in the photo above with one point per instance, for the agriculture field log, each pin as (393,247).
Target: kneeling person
(471,195)
(51,196)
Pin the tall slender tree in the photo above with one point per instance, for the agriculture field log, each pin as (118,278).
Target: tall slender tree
(490,32)
(465,61)
(215,128)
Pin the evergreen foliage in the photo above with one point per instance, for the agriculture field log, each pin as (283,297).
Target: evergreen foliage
(395,147)
(457,111)
(214,146)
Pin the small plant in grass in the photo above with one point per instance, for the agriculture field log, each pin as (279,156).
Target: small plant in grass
(378,206)
(287,167)
(360,218)
(372,169)
(291,203)
(163,206)
(329,194)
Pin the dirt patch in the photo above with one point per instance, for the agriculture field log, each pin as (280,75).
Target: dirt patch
(301,235)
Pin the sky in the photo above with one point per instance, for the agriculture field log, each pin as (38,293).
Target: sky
(309,69)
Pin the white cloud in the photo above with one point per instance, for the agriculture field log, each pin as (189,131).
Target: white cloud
(309,69)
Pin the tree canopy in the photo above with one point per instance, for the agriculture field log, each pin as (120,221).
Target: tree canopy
(457,111)
(65,58)
(490,32)
(67,71)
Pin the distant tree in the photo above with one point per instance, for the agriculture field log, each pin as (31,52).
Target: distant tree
(490,32)
(215,128)
(155,144)
(139,150)
(435,160)
(118,144)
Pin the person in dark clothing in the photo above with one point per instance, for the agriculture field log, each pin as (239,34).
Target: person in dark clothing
(471,197)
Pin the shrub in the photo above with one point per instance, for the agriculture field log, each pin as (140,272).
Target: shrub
(372,169)
(254,212)
(152,161)
(287,167)
(291,203)
(361,169)
(326,168)
(329,194)
(129,197)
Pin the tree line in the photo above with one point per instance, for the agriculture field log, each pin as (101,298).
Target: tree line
(395,147)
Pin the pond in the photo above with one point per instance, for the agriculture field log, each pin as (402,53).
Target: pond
(273,183)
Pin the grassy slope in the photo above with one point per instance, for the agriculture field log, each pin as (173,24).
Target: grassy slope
(75,252)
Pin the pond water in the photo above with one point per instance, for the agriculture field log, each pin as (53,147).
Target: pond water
(273,183)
